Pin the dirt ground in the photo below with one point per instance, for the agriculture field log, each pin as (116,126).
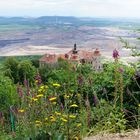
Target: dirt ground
(135,135)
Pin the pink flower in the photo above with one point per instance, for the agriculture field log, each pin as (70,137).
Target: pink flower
(115,54)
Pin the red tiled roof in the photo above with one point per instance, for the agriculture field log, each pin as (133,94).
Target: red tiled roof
(81,54)
(62,56)
(50,58)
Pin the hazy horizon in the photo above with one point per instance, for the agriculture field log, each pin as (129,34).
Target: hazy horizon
(76,8)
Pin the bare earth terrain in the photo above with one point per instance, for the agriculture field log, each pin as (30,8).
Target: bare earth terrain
(135,135)
(44,35)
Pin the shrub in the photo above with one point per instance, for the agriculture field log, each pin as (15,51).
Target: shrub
(8,95)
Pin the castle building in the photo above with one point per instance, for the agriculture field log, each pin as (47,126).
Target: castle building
(75,56)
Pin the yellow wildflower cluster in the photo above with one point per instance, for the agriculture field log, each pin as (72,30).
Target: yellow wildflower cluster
(42,89)
(37,123)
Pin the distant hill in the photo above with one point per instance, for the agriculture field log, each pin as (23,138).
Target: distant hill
(69,20)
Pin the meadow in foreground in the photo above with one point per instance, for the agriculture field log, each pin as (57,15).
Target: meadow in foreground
(67,102)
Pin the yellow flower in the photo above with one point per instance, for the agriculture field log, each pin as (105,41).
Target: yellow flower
(139,105)
(37,124)
(37,121)
(34,99)
(72,116)
(52,119)
(42,87)
(54,103)
(21,110)
(52,99)
(46,86)
(74,105)
(39,95)
(79,125)
(76,138)
(79,95)
(36,81)
(57,113)
(56,85)
(65,116)
(46,119)
(64,120)
(66,96)
(40,90)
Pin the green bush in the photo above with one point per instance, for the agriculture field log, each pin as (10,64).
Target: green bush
(8,94)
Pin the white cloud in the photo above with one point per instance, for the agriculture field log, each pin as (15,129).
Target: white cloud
(109,8)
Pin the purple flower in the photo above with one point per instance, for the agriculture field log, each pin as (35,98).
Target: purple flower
(38,79)
(115,54)
(62,106)
(80,80)
(26,84)
(95,100)
(121,70)
(20,91)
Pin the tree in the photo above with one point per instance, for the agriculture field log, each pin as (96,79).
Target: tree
(11,68)
(26,71)
(8,94)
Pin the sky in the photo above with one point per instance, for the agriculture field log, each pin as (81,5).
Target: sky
(78,8)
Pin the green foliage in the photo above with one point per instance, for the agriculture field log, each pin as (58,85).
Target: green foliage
(93,92)
(8,95)
(11,69)
(107,119)
(19,70)
(26,71)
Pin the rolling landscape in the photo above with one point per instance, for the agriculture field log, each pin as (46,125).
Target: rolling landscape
(57,34)
(69,70)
